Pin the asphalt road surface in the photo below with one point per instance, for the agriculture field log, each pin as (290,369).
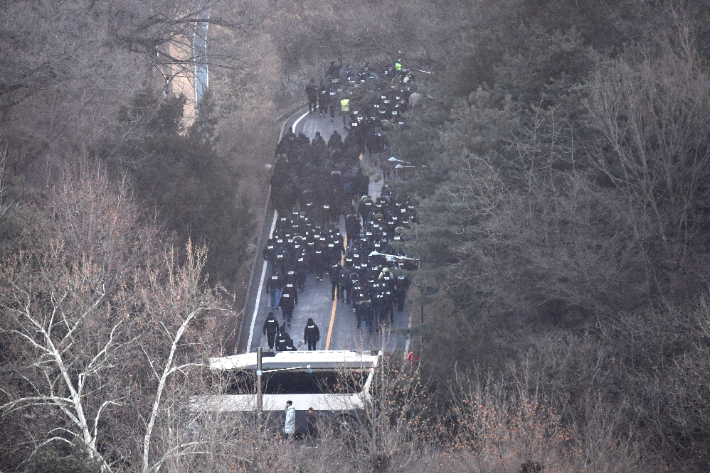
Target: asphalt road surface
(336,320)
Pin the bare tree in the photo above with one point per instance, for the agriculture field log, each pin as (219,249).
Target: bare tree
(175,300)
(101,324)
(653,113)
(391,429)
(507,420)
(69,66)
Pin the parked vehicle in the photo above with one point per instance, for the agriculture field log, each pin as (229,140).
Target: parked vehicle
(336,384)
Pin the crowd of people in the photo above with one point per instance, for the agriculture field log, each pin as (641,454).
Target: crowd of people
(365,269)
(316,182)
(326,175)
(372,278)
(321,177)
(368,99)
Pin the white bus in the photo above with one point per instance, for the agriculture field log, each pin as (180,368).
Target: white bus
(337,384)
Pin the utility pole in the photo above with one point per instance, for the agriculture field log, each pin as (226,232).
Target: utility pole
(199,51)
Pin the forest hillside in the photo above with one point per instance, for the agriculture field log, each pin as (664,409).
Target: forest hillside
(562,166)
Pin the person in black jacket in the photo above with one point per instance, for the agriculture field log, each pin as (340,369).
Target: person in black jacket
(271,329)
(334,70)
(323,98)
(274,286)
(345,284)
(352,227)
(311,334)
(283,340)
(365,316)
(401,284)
(312,92)
(287,304)
(335,141)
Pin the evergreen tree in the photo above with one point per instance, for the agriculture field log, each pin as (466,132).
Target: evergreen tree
(181,175)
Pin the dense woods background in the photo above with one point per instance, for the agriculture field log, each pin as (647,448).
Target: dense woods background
(562,184)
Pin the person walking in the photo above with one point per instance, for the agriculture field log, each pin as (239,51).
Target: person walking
(312,92)
(283,339)
(323,99)
(290,422)
(287,304)
(311,334)
(365,316)
(401,284)
(335,141)
(273,288)
(271,329)
(345,110)
(352,227)
(345,284)
(332,102)
(334,274)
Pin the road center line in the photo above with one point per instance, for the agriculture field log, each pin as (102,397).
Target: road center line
(332,322)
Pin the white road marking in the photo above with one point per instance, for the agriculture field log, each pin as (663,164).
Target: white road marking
(295,124)
(265,265)
(258,292)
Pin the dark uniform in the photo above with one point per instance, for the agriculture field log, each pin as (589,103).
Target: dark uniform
(335,141)
(287,303)
(270,252)
(283,340)
(273,287)
(318,140)
(345,284)
(352,227)
(365,315)
(323,99)
(365,207)
(334,273)
(319,260)
(311,334)
(271,328)
(401,284)
(312,92)
(290,288)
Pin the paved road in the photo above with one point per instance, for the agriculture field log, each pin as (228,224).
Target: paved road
(335,319)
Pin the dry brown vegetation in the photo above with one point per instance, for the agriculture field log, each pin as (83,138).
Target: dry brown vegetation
(563,239)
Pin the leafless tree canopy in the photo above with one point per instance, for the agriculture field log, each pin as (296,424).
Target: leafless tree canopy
(562,166)
(100,323)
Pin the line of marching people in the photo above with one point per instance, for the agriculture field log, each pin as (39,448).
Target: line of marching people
(298,247)
(321,178)
(373,276)
(368,99)
(369,277)
(369,273)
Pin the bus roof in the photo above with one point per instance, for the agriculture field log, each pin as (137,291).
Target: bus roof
(319,359)
(276,402)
